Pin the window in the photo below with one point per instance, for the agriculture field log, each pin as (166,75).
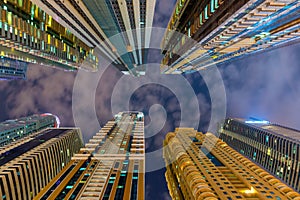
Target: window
(212,6)
(201,18)
(216,4)
(206,12)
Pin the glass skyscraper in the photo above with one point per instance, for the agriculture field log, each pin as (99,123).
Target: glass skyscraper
(223,30)
(110,166)
(272,146)
(201,166)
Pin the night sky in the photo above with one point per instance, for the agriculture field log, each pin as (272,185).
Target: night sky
(265,85)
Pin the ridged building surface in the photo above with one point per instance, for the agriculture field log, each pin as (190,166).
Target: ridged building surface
(201,166)
(274,147)
(110,166)
(30,164)
(74,35)
(217,31)
(132,21)
(29,34)
(117,28)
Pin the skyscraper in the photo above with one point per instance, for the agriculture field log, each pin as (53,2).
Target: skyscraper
(12,69)
(129,17)
(12,130)
(29,34)
(110,166)
(95,22)
(275,147)
(226,29)
(29,164)
(201,166)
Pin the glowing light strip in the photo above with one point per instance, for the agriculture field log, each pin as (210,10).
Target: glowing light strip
(257,122)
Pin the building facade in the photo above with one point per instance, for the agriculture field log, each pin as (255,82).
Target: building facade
(12,130)
(201,166)
(73,34)
(12,69)
(29,34)
(29,165)
(115,27)
(272,146)
(129,19)
(110,166)
(222,30)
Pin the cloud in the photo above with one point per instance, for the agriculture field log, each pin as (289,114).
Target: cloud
(266,86)
(45,90)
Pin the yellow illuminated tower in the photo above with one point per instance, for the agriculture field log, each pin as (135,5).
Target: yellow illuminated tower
(201,166)
(110,166)
(223,30)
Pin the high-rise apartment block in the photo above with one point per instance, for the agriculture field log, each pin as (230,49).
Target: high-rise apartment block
(29,34)
(272,146)
(73,34)
(201,166)
(29,164)
(226,29)
(12,130)
(110,166)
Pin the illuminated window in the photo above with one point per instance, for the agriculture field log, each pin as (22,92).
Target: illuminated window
(269,152)
(294,149)
(20,3)
(9,18)
(182,40)
(201,19)
(216,4)
(212,6)
(206,12)
(177,10)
